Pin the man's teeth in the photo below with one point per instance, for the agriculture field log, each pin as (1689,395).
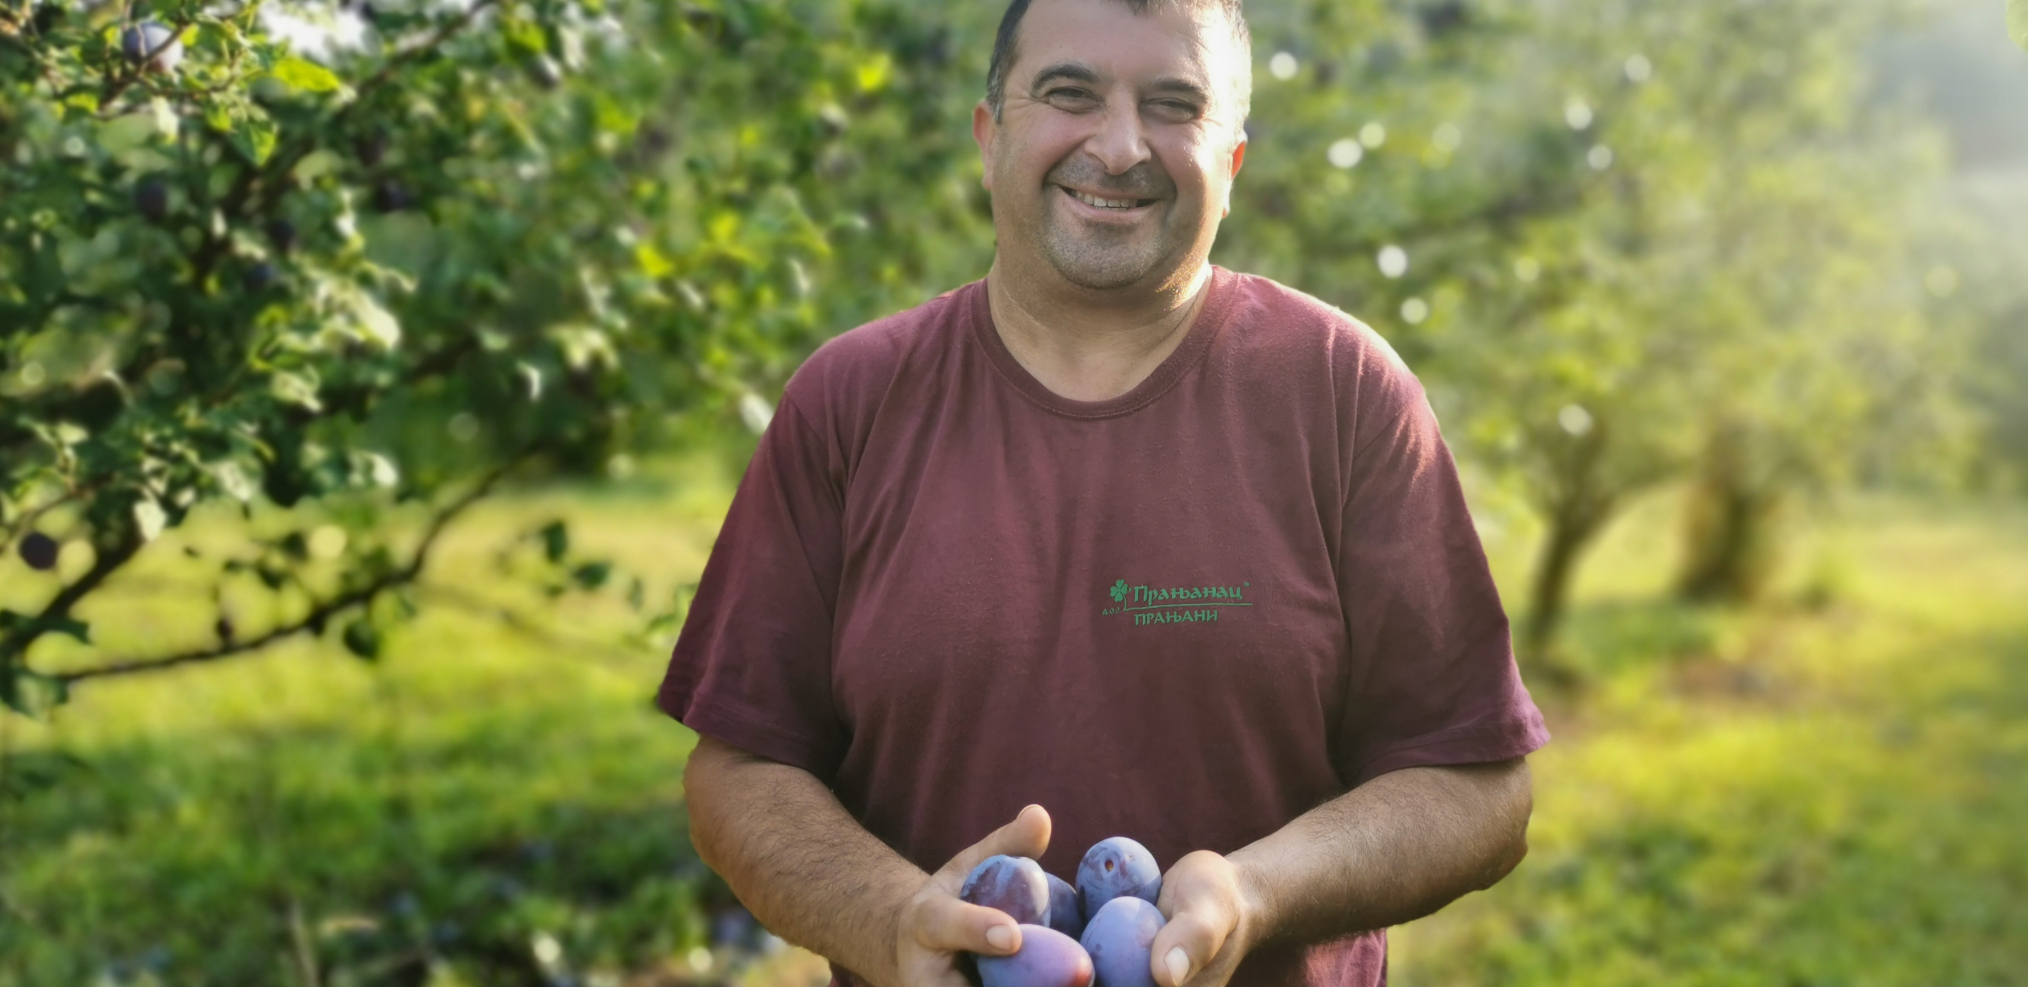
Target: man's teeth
(1093,200)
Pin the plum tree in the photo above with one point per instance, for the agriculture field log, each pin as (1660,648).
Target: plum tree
(378,280)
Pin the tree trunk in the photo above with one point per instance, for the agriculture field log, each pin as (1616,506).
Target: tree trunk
(1729,538)
(1551,589)
(1579,503)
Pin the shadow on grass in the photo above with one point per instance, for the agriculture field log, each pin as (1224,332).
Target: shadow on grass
(511,857)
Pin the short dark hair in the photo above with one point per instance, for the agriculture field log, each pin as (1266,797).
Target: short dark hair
(1010,28)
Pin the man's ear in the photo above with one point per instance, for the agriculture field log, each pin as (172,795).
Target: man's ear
(1238,158)
(984,130)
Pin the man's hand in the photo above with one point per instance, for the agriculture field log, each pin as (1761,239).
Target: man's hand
(1210,920)
(935,926)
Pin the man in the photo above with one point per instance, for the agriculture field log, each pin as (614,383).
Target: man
(1175,553)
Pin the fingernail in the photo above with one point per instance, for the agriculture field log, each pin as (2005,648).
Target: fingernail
(1178,963)
(1000,936)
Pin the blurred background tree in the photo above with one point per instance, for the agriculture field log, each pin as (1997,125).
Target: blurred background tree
(442,254)
(1621,242)
(374,327)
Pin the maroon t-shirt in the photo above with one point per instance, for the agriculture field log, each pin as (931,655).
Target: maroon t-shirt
(1185,615)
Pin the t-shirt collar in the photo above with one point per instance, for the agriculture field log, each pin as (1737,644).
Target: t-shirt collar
(1210,322)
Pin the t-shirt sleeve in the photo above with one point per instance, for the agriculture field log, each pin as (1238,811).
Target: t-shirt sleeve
(752,666)
(1432,675)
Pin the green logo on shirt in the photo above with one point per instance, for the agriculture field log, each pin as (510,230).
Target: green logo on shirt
(1173,604)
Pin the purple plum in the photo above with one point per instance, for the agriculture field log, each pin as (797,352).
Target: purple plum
(1047,958)
(1119,939)
(1065,914)
(152,43)
(1114,867)
(1015,885)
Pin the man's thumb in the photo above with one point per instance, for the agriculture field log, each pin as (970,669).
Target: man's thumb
(1026,836)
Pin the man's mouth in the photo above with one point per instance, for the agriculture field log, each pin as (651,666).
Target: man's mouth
(1102,203)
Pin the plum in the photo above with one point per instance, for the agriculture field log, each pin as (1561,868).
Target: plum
(39,551)
(1047,958)
(1065,914)
(153,46)
(282,234)
(392,196)
(1015,885)
(1119,939)
(151,200)
(1114,867)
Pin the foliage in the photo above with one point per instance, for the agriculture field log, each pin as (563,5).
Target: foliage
(514,236)
(1616,240)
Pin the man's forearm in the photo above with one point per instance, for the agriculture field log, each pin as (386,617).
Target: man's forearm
(1394,849)
(809,871)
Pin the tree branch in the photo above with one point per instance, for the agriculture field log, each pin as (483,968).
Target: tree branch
(520,624)
(320,614)
(17,641)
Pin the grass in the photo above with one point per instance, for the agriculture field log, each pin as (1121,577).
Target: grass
(430,818)
(1824,790)
(1801,795)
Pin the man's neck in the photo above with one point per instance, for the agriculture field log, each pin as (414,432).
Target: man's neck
(1086,351)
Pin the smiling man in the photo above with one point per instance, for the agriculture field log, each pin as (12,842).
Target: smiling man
(1174,552)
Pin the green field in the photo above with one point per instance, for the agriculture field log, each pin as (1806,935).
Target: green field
(1825,790)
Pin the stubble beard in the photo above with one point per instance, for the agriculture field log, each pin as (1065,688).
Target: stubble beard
(1094,257)
(1099,260)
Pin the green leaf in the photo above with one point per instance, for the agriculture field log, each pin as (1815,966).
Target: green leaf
(232,480)
(301,73)
(31,694)
(150,517)
(255,137)
(2017,22)
(363,639)
(555,540)
(70,627)
(67,626)
(296,388)
(592,575)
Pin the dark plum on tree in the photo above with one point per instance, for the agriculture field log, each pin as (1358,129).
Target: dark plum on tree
(153,46)
(39,551)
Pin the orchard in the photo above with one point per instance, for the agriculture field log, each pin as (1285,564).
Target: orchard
(441,255)
(293,294)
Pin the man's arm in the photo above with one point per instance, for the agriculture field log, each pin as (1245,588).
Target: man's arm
(818,879)
(1394,849)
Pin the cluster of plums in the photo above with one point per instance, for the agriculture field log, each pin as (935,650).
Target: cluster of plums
(1097,934)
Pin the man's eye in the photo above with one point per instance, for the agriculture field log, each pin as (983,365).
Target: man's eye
(1070,95)
(1175,109)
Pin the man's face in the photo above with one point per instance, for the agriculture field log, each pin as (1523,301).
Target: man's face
(1135,111)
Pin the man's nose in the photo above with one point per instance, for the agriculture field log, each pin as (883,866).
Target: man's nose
(1119,143)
